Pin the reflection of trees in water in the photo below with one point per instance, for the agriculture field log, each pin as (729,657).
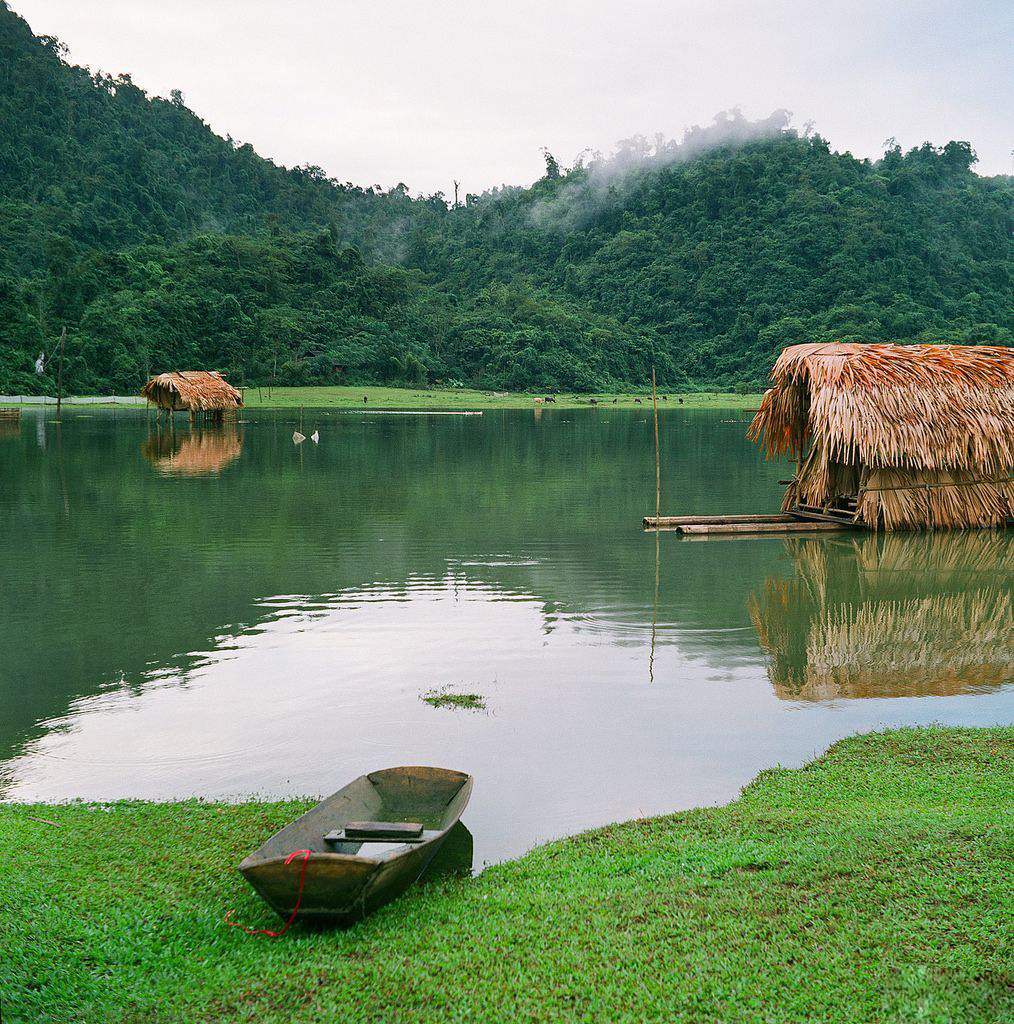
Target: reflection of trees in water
(548,513)
(200,452)
(886,616)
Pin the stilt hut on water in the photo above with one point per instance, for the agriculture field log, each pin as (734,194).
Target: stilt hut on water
(894,436)
(199,392)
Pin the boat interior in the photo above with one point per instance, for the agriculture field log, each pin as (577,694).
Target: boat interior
(430,797)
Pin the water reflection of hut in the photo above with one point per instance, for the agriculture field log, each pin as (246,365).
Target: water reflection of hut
(199,392)
(10,422)
(198,453)
(895,436)
(890,616)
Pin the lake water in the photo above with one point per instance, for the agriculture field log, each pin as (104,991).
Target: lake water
(224,614)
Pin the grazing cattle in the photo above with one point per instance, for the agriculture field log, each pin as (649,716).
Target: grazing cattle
(680,400)
(364,399)
(615,400)
(591,401)
(539,401)
(549,399)
(637,401)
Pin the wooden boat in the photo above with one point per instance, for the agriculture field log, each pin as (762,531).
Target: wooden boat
(368,843)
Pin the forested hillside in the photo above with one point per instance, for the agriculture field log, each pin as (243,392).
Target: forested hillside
(158,244)
(731,254)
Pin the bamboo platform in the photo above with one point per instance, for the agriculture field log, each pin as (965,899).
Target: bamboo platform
(698,526)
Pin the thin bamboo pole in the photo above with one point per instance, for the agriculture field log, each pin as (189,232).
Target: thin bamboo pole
(780,517)
(658,464)
(800,526)
(59,374)
(654,613)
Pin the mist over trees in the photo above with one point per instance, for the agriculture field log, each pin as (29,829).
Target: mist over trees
(160,245)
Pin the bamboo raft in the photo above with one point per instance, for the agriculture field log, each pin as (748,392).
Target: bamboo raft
(702,526)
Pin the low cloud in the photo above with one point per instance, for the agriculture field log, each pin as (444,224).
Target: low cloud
(599,179)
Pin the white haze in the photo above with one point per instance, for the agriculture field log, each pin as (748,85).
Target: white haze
(605,176)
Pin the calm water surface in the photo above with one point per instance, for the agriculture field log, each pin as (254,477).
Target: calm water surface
(223,613)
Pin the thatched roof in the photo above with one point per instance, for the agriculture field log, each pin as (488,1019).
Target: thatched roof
(193,390)
(923,406)
(944,412)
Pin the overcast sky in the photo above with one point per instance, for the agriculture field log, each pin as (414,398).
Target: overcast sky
(423,91)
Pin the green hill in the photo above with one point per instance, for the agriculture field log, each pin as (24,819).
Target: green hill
(727,257)
(158,244)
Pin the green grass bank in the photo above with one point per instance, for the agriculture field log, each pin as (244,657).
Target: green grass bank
(874,884)
(464,399)
(449,399)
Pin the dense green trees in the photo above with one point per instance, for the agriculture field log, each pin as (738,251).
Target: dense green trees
(161,245)
(727,257)
(296,309)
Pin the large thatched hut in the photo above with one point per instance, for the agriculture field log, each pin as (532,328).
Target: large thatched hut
(195,391)
(895,436)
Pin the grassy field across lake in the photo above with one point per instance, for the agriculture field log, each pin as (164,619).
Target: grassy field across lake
(445,399)
(465,399)
(871,885)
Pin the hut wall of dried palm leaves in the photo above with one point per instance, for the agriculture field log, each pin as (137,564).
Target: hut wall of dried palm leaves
(918,435)
(194,391)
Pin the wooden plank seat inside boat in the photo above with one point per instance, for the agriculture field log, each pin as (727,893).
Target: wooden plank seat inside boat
(398,820)
(377,831)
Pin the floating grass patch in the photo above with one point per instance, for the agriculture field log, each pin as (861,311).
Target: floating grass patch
(445,697)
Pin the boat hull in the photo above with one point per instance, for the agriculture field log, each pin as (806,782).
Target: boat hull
(338,890)
(346,881)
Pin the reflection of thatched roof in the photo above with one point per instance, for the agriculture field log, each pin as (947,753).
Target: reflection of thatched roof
(200,453)
(193,390)
(924,432)
(897,616)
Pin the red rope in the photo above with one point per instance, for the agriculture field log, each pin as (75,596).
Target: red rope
(305,854)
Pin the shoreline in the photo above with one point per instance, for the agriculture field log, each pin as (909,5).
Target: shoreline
(420,399)
(787,903)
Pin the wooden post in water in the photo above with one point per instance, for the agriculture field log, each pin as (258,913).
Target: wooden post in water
(658,467)
(59,373)
(654,613)
(658,502)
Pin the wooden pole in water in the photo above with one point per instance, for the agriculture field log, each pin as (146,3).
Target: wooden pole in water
(658,467)
(658,502)
(59,373)
(654,614)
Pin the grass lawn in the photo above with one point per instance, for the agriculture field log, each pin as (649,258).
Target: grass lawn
(452,399)
(874,884)
(464,399)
